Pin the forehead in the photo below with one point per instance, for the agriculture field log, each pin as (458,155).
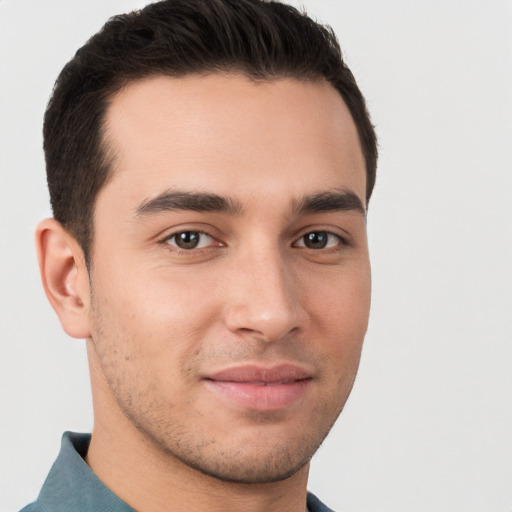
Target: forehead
(233,136)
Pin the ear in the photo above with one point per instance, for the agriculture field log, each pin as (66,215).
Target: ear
(65,277)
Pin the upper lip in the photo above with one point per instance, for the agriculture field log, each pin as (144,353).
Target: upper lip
(253,373)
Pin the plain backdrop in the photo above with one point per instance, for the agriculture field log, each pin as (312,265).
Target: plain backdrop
(429,424)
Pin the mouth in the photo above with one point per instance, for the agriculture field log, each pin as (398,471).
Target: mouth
(261,388)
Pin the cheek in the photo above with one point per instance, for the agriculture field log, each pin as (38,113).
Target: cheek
(156,313)
(340,311)
(341,301)
(145,336)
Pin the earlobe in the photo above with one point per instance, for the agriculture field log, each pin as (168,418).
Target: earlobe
(65,277)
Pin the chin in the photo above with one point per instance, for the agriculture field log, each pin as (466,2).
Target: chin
(242,468)
(256,457)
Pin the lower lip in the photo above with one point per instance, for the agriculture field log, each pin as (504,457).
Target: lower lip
(261,398)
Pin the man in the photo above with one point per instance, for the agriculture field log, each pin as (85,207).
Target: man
(209,165)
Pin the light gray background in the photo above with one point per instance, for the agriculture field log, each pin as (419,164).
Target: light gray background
(429,424)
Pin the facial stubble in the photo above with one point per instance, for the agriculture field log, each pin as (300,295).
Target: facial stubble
(259,458)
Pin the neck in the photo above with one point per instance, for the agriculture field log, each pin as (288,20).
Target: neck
(150,480)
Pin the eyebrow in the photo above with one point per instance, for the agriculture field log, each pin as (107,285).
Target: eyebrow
(336,200)
(194,201)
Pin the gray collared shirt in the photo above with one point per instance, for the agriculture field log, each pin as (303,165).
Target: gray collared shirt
(71,486)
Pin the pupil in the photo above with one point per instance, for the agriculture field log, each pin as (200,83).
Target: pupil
(316,240)
(187,240)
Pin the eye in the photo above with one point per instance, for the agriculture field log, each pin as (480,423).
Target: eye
(188,240)
(319,240)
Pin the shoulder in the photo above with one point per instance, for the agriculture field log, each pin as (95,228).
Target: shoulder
(315,505)
(33,507)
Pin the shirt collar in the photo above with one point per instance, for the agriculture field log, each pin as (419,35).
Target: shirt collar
(71,485)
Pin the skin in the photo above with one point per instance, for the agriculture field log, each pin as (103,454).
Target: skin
(160,319)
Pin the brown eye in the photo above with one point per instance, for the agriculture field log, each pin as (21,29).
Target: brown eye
(190,240)
(319,240)
(316,240)
(187,240)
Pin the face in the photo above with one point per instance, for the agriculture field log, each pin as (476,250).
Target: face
(230,280)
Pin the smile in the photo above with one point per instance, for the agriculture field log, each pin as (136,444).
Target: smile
(271,383)
(261,389)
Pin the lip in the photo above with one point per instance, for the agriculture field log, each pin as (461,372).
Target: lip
(261,388)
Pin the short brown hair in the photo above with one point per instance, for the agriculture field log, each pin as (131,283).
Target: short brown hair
(260,39)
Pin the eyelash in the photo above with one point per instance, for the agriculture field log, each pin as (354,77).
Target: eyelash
(180,250)
(342,242)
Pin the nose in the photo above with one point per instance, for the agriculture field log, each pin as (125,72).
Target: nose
(263,297)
